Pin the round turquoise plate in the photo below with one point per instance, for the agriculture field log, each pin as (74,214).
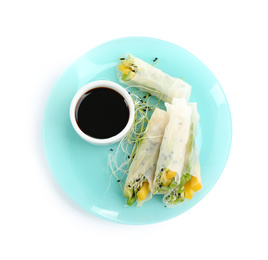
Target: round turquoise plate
(81,168)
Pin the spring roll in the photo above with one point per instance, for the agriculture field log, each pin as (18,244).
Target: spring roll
(140,177)
(135,72)
(190,180)
(172,151)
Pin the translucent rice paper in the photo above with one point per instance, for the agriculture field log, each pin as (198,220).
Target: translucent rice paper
(150,79)
(173,147)
(144,163)
(195,170)
(191,156)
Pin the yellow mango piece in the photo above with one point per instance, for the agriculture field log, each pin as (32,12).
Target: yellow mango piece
(194,180)
(188,190)
(170,174)
(167,177)
(196,187)
(121,66)
(126,71)
(195,184)
(144,190)
(166,182)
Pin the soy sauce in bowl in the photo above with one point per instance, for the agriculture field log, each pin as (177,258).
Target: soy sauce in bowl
(102,113)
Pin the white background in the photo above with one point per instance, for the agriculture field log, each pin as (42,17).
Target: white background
(40,39)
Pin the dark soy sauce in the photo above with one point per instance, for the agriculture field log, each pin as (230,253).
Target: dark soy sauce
(102,113)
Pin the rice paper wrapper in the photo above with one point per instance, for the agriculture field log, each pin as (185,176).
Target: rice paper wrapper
(173,147)
(153,80)
(144,162)
(195,170)
(192,156)
(190,147)
(195,167)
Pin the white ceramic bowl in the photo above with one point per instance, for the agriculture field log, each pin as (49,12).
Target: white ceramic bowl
(110,85)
